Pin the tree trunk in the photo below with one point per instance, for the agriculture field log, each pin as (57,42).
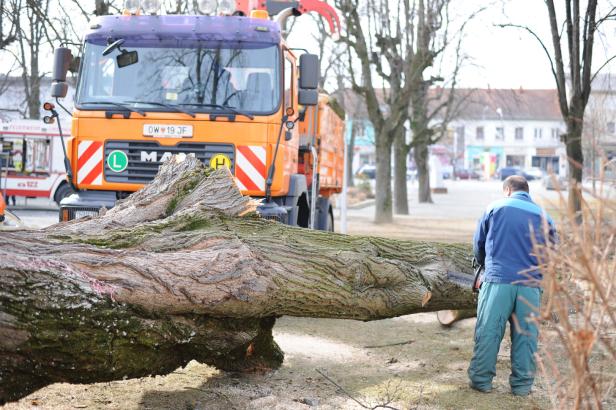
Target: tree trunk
(350,154)
(101,7)
(34,102)
(401,196)
(383,211)
(421,155)
(575,158)
(184,270)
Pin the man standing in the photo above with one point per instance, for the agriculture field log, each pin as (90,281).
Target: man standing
(510,289)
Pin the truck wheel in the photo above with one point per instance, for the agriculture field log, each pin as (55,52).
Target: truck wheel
(330,222)
(62,192)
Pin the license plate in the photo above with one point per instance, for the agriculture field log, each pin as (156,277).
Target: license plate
(167,131)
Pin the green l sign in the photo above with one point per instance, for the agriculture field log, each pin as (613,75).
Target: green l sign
(117,161)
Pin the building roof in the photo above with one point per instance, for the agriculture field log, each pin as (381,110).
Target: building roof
(509,104)
(479,104)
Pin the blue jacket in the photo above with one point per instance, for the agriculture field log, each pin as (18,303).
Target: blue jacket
(502,241)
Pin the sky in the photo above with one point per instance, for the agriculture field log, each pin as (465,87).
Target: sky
(498,57)
(501,57)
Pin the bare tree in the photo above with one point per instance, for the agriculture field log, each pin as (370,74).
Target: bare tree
(31,37)
(431,108)
(571,57)
(375,30)
(395,44)
(8,28)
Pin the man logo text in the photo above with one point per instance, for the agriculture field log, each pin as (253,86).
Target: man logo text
(152,156)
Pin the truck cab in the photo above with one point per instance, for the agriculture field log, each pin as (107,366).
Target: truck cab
(224,89)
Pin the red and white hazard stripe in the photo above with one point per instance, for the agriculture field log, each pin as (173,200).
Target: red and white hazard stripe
(250,171)
(90,163)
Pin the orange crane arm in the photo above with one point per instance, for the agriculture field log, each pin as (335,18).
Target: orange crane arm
(274,7)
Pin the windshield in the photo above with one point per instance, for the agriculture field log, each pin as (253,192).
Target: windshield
(196,74)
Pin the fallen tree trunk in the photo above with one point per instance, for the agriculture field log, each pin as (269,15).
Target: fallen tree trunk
(184,270)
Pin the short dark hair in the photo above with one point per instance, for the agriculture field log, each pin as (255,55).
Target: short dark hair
(516,183)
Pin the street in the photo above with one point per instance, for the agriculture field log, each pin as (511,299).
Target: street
(451,218)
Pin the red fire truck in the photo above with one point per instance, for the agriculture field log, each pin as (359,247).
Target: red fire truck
(31,161)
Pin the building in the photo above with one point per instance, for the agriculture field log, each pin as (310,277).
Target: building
(496,128)
(600,126)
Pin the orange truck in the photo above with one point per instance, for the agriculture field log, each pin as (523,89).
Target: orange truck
(2,208)
(221,85)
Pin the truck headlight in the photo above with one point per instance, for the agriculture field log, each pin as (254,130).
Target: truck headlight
(207,6)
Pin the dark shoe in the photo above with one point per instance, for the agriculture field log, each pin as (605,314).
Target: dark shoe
(520,393)
(479,389)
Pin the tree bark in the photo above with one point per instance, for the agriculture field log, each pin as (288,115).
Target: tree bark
(575,157)
(184,270)
(401,196)
(383,203)
(356,124)
(421,154)
(101,7)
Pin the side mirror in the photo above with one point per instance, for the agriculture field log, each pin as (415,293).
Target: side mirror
(308,97)
(62,58)
(309,71)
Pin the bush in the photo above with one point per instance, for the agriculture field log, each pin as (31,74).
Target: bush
(578,339)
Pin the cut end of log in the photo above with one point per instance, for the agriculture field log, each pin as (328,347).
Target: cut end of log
(448,317)
(426,298)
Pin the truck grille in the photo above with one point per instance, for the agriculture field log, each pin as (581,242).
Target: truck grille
(144,157)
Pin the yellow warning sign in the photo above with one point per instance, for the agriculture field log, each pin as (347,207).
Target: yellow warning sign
(220,160)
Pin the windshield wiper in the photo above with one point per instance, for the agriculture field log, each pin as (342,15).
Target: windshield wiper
(123,106)
(222,107)
(168,106)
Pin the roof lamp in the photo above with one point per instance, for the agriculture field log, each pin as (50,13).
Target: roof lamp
(226,7)
(207,6)
(259,14)
(132,6)
(150,6)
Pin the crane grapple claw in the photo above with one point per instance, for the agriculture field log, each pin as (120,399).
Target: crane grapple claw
(274,7)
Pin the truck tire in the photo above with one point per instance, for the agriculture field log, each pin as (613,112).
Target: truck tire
(324,215)
(330,222)
(62,192)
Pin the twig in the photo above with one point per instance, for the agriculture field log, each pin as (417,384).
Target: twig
(342,389)
(406,342)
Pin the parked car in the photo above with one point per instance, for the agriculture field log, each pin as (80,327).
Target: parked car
(533,173)
(366,171)
(506,172)
(465,173)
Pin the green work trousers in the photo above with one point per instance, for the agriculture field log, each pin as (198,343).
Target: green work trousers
(500,303)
